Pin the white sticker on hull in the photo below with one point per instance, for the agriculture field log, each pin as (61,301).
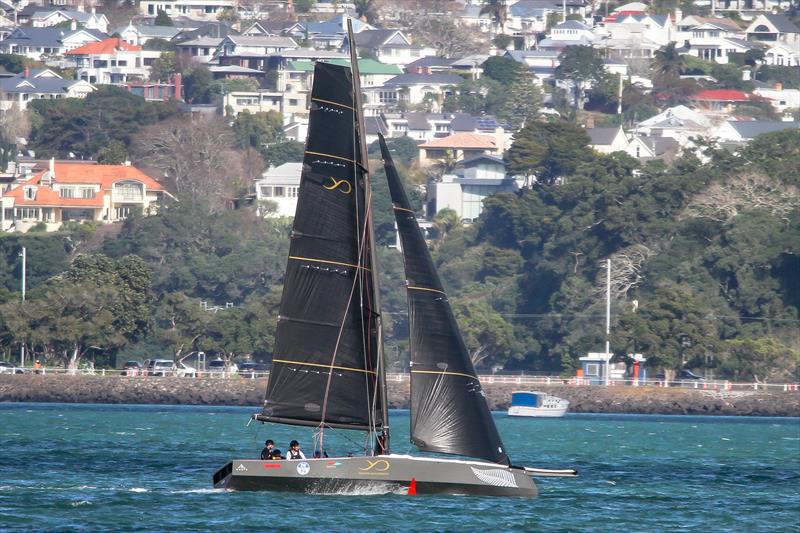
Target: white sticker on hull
(241,468)
(303,468)
(497,478)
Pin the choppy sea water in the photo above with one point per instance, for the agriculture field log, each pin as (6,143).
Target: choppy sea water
(148,468)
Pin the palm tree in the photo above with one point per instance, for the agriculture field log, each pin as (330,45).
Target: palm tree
(366,10)
(498,10)
(668,62)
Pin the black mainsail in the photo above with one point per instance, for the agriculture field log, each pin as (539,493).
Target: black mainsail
(449,413)
(326,360)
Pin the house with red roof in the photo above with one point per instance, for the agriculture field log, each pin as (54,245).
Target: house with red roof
(722,101)
(112,61)
(79,191)
(459,146)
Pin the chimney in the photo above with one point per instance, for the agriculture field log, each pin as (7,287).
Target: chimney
(178,86)
(94,11)
(73,24)
(25,72)
(52,169)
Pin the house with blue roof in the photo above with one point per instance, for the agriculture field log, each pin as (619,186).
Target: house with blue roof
(91,20)
(41,44)
(37,84)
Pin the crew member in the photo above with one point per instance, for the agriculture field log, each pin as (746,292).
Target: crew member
(266,453)
(294,451)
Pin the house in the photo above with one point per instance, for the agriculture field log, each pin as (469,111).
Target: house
(90,21)
(680,123)
(276,191)
(780,54)
(35,84)
(568,33)
(112,61)
(139,34)
(722,101)
(192,9)
(388,46)
(259,45)
(459,146)
(474,180)
(428,126)
(772,28)
(608,140)
(733,132)
(656,28)
(780,98)
(646,148)
(329,34)
(724,26)
(414,89)
(45,43)
(79,191)
(200,50)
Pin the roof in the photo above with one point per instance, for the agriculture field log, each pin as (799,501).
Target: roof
(365,66)
(234,69)
(163,32)
(202,41)
(261,40)
(49,37)
(750,129)
(472,161)
(602,136)
(79,16)
(106,46)
(35,84)
(429,61)
(79,173)
(782,23)
(463,140)
(374,125)
(724,23)
(723,95)
(373,38)
(423,79)
(572,25)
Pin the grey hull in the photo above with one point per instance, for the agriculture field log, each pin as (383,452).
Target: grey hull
(373,475)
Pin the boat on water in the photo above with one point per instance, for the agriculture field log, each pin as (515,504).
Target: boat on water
(535,403)
(328,368)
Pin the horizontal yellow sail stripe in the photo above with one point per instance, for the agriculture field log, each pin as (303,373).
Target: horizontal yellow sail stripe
(444,373)
(334,367)
(326,261)
(331,156)
(330,102)
(412,288)
(401,209)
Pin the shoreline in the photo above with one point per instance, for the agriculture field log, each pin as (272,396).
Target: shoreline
(250,392)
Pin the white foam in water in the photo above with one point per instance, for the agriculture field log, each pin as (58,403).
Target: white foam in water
(196,491)
(139,489)
(374,489)
(80,503)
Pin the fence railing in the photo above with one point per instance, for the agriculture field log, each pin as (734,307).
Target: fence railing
(521,380)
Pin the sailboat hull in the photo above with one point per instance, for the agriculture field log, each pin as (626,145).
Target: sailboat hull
(375,475)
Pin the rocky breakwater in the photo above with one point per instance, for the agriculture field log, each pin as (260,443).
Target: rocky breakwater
(244,391)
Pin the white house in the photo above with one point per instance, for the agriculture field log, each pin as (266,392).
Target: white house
(391,47)
(411,89)
(608,140)
(239,45)
(742,131)
(568,33)
(45,43)
(201,50)
(780,97)
(139,34)
(781,54)
(474,180)
(112,61)
(90,21)
(276,191)
(772,28)
(193,9)
(36,84)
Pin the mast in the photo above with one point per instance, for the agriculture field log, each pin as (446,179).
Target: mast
(364,162)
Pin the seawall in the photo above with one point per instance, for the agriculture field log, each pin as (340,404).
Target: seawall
(243,391)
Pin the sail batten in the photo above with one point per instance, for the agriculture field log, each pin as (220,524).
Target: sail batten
(325,352)
(449,412)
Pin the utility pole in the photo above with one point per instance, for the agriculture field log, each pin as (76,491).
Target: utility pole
(24,256)
(608,320)
(619,104)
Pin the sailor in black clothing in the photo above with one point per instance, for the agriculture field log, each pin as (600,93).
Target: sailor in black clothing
(266,453)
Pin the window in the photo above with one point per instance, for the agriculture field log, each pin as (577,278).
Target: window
(266,191)
(291,192)
(28,213)
(292,101)
(67,192)
(122,212)
(278,192)
(87,192)
(128,191)
(592,369)
(30,193)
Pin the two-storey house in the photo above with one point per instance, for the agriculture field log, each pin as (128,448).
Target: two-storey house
(112,61)
(37,84)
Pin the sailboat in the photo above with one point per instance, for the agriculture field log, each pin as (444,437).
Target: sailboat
(328,367)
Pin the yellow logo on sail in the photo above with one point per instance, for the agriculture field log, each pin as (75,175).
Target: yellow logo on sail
(343,186)
(378,467)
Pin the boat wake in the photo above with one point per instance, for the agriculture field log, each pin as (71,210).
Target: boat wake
(345,488)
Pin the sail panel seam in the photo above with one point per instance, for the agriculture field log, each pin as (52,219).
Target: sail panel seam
(331,156)
(444,373)
(331,102)
(413,288)
(334,367)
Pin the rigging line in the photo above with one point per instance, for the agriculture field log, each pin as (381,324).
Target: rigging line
(298,258)
(412,288)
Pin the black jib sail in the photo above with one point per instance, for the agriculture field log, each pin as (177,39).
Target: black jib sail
(325,358)
(449,413)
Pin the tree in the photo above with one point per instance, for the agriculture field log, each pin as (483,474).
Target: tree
(197,160)
(257,130)
(445,36)
(284,152)
(162,19)
(197,85)
(503,69)
(367,10)
(548,150)
(668,63)
(488,337)
(165,67)
(498,10)
(582,66)
(502,41)
(159,44)
(114,153)
(304,6)
(13,62)
(523,102)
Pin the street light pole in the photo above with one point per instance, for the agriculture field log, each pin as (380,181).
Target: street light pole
(608,320)
(24,256)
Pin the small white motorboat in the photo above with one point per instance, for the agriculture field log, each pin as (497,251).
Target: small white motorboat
(534,403)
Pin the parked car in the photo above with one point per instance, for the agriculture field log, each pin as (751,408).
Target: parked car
(160,367)
(688,374)
(185,371)
(9,368)
(131,368)
(217,366)
(249,368)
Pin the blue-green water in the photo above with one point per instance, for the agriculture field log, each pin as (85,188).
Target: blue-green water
(148,468)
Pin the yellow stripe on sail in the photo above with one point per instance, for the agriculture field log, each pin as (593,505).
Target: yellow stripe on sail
(333,367)
(444,373)
(331,102)
(412,288)
(331,156)
(401,209)
(326,262)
